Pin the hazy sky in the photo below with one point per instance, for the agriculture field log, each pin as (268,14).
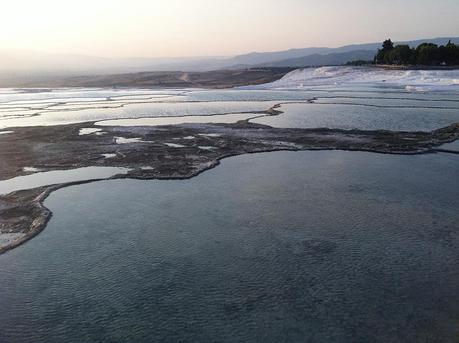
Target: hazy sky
(157,28)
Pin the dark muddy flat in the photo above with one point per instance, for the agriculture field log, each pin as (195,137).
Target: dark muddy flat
(166,152)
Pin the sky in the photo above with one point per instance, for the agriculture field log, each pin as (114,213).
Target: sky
(172,28)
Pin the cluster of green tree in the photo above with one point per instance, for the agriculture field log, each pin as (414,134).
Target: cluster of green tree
(425,54)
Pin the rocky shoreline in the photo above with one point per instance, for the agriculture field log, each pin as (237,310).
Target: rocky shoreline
(165,152)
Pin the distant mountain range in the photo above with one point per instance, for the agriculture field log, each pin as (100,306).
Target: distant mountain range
(13,63)
(321,56)
(336,58)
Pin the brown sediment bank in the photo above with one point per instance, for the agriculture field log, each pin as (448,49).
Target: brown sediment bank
(169,79)
(166,152)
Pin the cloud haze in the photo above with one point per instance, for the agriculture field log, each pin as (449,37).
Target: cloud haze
(155,28)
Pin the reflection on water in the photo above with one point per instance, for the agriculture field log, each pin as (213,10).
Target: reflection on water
(57,176)
(421,101)
(454,146)
(345,116)
(277,247)
(162,109)
(227,118)
(364,107)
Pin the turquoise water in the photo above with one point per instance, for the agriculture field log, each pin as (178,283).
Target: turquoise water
(276,247)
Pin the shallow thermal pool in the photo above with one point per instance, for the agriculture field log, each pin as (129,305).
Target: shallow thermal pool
(350,116)
(154,109)
(364,106)
(454,146)
(227,118)
(40,179)
(321,246)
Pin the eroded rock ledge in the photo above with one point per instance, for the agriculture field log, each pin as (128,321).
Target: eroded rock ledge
(166,152)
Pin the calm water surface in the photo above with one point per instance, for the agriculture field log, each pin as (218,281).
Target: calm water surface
(276,247)
(367,108)
(363,117)
(39,179)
